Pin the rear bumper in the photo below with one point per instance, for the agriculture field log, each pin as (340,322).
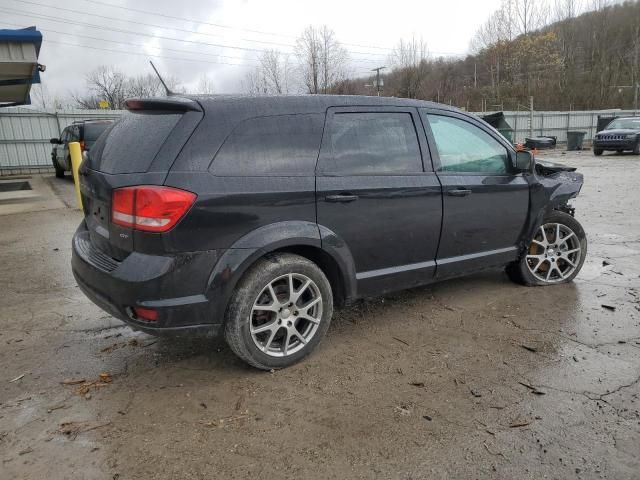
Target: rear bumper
(173,285)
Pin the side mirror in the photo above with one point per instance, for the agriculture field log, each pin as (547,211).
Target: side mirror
(55,141)
(524,161)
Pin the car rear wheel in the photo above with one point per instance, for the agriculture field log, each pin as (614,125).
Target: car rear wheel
(636,148)
(279,312)
(597,151)
(556,253)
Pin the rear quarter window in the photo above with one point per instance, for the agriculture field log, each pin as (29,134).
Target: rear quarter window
(133,142)
(277,145)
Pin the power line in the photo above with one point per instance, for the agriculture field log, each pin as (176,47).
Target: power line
(130,44)
(130,32)
(218,25)
(171,17)
(151,55)
(153,25)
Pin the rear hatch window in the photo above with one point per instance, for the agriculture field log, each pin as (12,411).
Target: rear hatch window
(92,131)
(133,142)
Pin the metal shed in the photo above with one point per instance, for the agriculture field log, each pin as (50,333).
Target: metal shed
(19,67)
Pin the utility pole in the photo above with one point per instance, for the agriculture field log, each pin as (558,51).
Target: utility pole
(475,75)
(378,79)
(531,116)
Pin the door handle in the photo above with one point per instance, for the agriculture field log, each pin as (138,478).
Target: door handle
(459,192)
(341,198)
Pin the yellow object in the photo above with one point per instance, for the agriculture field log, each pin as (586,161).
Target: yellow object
(103,104)
(76,160)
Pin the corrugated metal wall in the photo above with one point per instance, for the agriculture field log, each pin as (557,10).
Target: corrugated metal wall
(25,134)
(557,124)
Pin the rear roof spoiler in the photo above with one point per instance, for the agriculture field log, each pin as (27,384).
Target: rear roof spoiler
(173,104)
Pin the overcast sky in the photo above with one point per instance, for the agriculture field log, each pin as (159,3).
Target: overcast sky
(368,29)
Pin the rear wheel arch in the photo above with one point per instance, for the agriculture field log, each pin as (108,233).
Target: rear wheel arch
(326,263)
(281,237)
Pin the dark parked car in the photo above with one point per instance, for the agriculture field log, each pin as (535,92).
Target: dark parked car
(84,131)
(252,217)
(621,134)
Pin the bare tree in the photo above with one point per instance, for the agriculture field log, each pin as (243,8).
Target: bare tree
(409,60)
(499,27)
(143,86)
(322,59)
(205,85)
(108,83)
(566,9)
(275,69)
(85,100)
(530,15)
(254,82)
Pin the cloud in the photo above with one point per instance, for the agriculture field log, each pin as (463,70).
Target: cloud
(127,39)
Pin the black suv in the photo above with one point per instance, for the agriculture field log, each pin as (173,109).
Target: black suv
(620,134)
(84,131)
(253,216)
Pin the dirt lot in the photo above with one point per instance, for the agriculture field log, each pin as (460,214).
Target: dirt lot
(472,378)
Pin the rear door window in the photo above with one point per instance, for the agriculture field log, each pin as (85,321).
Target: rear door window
(278,145)
(370,143)
(133,142)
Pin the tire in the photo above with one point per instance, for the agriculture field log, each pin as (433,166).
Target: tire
(554,263)
(597,151)
(59,171)
(636,148)
(265,348)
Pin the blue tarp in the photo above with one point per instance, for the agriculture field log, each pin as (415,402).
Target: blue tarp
(24,35)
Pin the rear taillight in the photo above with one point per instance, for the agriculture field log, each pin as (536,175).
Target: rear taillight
(83,146)
(150,208)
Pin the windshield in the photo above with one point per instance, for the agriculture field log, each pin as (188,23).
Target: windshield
(632,123)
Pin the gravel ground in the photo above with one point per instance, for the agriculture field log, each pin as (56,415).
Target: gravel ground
(470,378)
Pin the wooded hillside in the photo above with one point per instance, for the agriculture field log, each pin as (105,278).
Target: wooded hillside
(585,61)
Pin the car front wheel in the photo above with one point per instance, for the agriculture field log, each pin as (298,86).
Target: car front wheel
(279,312)
(556,253)
(597,151)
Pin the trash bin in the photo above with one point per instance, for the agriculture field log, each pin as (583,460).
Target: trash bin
(575,139)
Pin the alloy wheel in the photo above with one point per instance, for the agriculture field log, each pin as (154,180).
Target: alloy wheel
(554,253)
(286,315)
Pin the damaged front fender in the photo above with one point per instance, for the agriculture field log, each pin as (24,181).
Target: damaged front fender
(552,185)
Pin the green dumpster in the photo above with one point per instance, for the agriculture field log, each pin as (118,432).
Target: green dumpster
(575,139)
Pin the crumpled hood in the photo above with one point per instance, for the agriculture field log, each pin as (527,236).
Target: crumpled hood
(546,167)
